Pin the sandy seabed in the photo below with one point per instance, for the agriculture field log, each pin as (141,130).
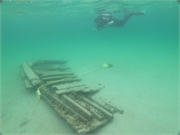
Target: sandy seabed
(148,95)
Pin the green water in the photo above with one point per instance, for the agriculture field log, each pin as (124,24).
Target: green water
(144,54)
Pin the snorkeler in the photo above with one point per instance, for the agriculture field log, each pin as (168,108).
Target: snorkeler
(107,20)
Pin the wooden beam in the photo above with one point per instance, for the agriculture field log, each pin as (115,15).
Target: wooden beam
(25,78)
(56,74)
(30,74)
(72,89)
(63,81)
(68,85)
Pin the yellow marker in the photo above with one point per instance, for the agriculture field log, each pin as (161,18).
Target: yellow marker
(107,65)
(38,93)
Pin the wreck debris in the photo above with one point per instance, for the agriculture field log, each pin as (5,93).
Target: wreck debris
(68,95)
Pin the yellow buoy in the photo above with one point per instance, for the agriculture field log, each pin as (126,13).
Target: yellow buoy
(107,65)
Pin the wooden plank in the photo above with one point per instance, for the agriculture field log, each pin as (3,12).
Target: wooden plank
(82,88)
(30,63)
(98,107)
(58,74)
(68,85)
(63,81)
(93,89)
(55,72)
(78,108)
(51,68)
(55,78)
(112,107)
(30,74)
(62,112)
(78,117)
(52,62)
(72,89)
(28,84)
(37,63)
(26,80)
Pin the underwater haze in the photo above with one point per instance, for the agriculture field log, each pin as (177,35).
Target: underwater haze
(144,79)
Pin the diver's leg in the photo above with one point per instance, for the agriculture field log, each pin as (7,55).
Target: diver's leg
(127,16)
(136,13)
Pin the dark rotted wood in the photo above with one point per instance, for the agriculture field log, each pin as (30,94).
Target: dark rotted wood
(35,80)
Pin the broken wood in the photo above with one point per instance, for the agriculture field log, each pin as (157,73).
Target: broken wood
(55,78)
(68,96)
(35,80)
(37,63)
(68,85)
(57,74)
(26,80)
(51,68)
(63,81)
(72,89)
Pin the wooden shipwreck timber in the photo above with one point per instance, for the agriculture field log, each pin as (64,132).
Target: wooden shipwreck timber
(68,95)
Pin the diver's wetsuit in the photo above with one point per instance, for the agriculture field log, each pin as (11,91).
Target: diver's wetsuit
(105,20)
